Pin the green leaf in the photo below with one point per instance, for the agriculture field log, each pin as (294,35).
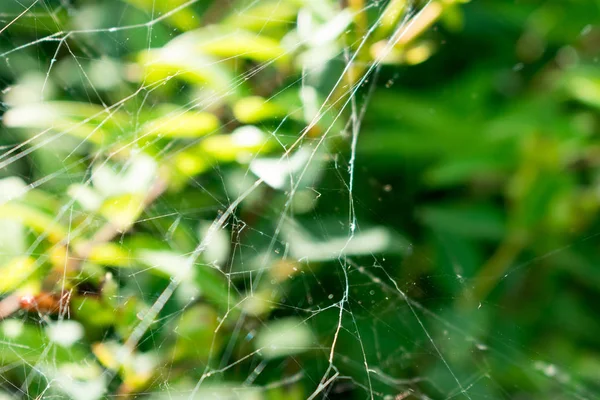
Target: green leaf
(122,211)
(226,42)
(281,14)
(211,283)
(37,220)
(109,254)
(82,120)
(160,65)
(284,337)
(93,311)
(251,110)
(182,125)
(241,145)
(21,343)
(16,272)
(185,18)
(195,333)
(584,85)
(366,241)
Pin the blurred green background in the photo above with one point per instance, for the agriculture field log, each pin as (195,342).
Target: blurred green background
(299,199)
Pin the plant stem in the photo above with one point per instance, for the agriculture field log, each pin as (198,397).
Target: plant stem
(493,270)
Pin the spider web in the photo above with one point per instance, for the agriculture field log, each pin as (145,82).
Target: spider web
(193,219)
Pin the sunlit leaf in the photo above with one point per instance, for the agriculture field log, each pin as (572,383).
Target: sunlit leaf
(182,125)
(241,145)
(226,42)
(251,110)
(284,337)
(109,254)
(16,272)
(122,211)
(279,14)
(34,219)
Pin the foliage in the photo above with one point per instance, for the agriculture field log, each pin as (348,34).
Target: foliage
(293,198)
